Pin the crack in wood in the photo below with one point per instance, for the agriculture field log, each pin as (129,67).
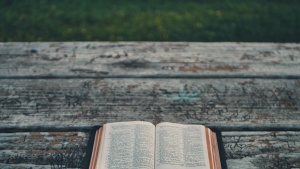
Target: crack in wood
(213,68)
(132,64)
(76,70)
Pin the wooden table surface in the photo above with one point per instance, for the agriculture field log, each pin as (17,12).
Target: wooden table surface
(52,94)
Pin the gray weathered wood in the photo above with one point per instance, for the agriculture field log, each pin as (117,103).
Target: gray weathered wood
(130,59)
(43,149)
(262,150)
(259,150)
(234,86)
(87,102)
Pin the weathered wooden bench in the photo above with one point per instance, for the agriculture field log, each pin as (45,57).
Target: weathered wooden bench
(52,94)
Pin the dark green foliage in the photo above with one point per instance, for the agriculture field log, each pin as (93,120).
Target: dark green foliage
(150,20)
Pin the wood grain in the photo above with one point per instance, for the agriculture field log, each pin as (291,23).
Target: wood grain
(43,149)
(255,150)
(251,91)
(86,102)
(262,150)
(148,59)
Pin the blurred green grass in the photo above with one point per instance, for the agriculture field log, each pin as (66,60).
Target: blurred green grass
(150,20)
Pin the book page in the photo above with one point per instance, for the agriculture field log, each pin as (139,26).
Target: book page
(128,145)
(181,147)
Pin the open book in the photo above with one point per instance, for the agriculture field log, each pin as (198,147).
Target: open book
(141,145)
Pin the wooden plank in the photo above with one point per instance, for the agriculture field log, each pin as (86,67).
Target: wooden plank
(43,149)
(262,150)
(86,102)
(153,59)
(255,150)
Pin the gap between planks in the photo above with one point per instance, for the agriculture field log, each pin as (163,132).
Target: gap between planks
(155,76)
(223,128)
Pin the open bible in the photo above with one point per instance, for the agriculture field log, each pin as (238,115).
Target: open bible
(141,145)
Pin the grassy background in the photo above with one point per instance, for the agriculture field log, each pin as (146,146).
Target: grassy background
(150,20)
